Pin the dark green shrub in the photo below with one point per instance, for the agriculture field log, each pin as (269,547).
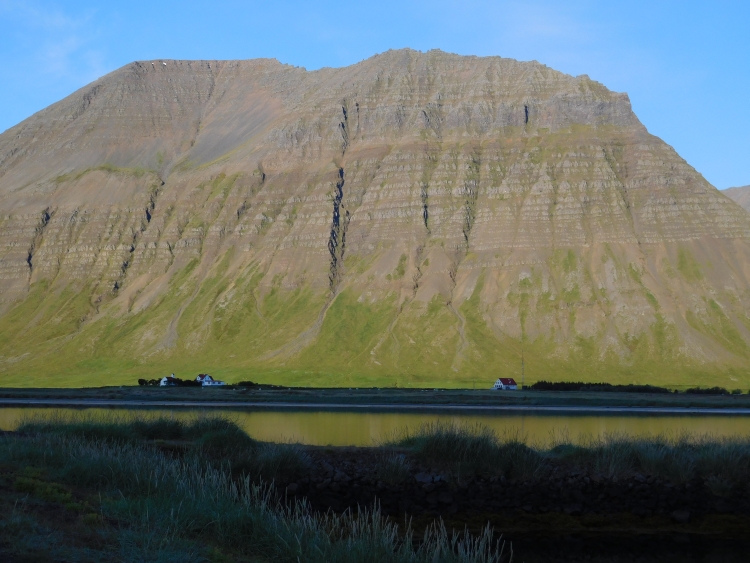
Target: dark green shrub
(707,391)
(149,382)
(606,387)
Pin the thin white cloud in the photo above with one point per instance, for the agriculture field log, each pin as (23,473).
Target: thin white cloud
(56,57)
(542,21)
(58,43)
(35,15)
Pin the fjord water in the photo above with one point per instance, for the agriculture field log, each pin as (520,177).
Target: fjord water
(341,428)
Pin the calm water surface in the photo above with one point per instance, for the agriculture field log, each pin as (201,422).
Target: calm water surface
(369,428)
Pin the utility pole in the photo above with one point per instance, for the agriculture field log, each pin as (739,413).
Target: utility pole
(522,371)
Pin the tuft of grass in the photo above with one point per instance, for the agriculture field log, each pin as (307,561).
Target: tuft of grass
(470,450)
(393,468)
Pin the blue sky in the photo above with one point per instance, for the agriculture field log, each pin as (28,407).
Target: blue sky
(686,65)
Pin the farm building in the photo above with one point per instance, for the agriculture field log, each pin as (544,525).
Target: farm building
(169,381)
(505,384)
(207,381)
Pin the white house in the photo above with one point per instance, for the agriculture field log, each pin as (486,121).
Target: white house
(168,381)
(208,381)
(505,384)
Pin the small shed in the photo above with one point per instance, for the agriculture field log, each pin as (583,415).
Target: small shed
(505,384)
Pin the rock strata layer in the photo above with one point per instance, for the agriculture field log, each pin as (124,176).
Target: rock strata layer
(416,218)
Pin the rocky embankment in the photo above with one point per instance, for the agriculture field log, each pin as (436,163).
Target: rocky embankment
(566,499)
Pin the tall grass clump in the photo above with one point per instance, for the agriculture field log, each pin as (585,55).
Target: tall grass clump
(723,463)
(136,428)
(169,508)
(469,450)
(676,458)
(393,468)
(216,440)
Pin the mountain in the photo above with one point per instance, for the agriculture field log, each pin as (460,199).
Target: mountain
(740,195)
(413,219)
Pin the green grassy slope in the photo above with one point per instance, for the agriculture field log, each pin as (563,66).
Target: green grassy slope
(223,326)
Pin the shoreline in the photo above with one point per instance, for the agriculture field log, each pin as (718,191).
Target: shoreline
(376,407)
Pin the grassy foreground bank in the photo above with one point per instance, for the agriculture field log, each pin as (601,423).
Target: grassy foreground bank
(163,491)
(723,463)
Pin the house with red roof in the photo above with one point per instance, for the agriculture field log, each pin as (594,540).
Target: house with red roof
(505,384)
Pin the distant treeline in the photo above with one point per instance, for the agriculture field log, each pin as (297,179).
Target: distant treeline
(712,391)
(176,381)
(262,386)
(580,386)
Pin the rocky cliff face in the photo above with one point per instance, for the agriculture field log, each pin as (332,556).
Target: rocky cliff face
(414,218)
(740,195)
